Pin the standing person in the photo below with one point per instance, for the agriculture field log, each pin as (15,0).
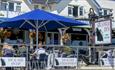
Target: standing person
(8,51)
(40,50)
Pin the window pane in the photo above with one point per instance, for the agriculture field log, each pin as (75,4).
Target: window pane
(105,12)
(18,8)
(11,6)
(69,10)
(75,11)
(81,11)
(36,6)
(56,39)
(18,3)
(3,6)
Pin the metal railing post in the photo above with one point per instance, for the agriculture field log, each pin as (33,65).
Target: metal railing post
(78,58)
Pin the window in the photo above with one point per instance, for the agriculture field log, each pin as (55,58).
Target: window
(78,40)
(105,12)
(100,12)
(43,7)
(11,6)
(52,38)
(18,3)
(81,11)
(36,6)
(18,7)
(3,6)
(75,11)
(70,10)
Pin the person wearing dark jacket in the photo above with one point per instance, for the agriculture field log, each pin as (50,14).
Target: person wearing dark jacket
(7,51)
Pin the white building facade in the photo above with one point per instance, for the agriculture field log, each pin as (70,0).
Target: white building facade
(12,8)
(77,9)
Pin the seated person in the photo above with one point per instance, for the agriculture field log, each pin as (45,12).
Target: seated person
(8,50)
(22,51)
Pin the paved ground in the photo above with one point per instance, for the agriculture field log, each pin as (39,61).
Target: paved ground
(91,67)
(96,67)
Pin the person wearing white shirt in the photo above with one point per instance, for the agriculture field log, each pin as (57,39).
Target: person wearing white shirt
(39,51)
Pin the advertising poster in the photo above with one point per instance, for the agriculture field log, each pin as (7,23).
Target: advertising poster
(102,32)
(12,62)
(66,62)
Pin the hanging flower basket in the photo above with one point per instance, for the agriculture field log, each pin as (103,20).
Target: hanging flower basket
(32,35)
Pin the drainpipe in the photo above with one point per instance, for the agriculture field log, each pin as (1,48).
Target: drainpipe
(7,9)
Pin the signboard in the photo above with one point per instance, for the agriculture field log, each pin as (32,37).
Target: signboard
(12,62)
(102,32)
(66,62)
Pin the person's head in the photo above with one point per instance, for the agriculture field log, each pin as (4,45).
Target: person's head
(22,44)
(5,45)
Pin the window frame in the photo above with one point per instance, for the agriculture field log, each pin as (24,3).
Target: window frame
(80,12)
(70,10)
(4,4)
(18,7)
(11,6)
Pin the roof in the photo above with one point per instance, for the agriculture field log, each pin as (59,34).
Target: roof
(44,1)
(106,3)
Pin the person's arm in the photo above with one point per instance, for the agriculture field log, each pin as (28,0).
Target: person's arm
(2,51)
(34,52)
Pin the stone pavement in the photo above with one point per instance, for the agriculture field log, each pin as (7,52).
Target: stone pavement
(95,67)
(90,67)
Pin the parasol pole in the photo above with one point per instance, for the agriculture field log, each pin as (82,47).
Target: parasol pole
(37,34)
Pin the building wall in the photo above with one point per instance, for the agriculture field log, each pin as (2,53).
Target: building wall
(108,4)
(25,7)
(83,3)
(62,7)
(6,13)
